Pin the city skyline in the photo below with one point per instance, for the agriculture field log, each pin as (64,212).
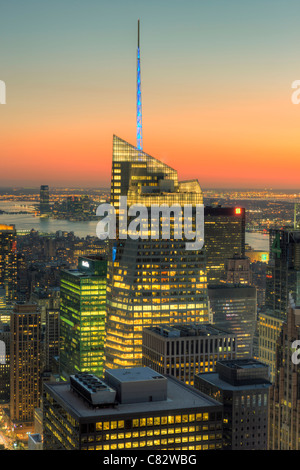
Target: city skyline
(216,85)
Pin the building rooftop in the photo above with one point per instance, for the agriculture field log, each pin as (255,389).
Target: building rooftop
(214,379)
(36,437)
(188,330)
(239,374)
(135,374)
(243,364)
(179,396)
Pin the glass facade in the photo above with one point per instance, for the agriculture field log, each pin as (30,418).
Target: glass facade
(82,318)
(283,272)
(234,308)
(224,239)
(153,280)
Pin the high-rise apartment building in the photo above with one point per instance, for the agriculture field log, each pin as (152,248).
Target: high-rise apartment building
(132,409)
(25,326)
(224,238)
(8,261)
(44,200)
(82,317)
(242,386)
(233,308)
(284,417)
(182,351)
(151,280)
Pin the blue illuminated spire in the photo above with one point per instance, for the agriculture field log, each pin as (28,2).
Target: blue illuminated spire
(139,128)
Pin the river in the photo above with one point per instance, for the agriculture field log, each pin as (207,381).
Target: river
(258,241)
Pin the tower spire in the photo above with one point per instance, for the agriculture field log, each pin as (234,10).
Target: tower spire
(139,129)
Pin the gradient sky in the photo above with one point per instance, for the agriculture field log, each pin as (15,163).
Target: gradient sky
(216,89)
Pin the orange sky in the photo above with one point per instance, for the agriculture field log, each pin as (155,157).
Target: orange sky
(216,94)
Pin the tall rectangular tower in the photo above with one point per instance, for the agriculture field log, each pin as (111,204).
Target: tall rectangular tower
(82,317)
(44,200)
(224,239)
(152,280)
(25,330)
(283,272)
(8,261)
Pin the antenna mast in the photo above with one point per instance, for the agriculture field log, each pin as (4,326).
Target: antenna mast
(139,129)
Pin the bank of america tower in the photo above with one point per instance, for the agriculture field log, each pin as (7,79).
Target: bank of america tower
(151,280)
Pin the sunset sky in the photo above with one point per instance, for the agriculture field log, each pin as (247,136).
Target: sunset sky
(216,89)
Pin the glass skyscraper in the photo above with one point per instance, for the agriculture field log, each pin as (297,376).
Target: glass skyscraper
(224,239)
(234,309)
(152,280)
(82,317)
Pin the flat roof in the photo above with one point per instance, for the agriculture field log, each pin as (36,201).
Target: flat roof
(214,379)
(189,330)
(180,396)
(243,364)
(135,374)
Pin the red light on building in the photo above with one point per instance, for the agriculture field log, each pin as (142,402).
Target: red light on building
(238,210)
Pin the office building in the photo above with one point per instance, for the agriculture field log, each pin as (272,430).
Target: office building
(282,280)
(259,273)
(238,270)
(52,337)
(25,326)
(284,417)
(224,238)
(44,200)
(242,386)
(182,351)
(8,261)
(152,280)
(234,309)
(82,317)
(269,328)
(135,409)
(283,274)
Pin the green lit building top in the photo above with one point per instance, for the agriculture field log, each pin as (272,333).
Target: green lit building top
(82,317)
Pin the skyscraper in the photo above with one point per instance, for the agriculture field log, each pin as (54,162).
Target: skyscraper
(25,330)
(224,238)
(234,308)
(8,261)
(153,280)
(44,200)
(284,413)
(82,317)
(283,274)
(282,280)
